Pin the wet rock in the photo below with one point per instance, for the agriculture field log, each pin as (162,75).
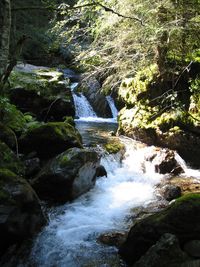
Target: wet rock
(67,176)
(92,90)
(166,252)
(50,139)
(20,212)
(101,171)
(113,239)
(182,218)
(192,248)
(165,162)
(171,192)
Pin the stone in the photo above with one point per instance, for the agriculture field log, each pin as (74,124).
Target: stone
(67,176)
(92,90)
(112,239)
(192,248)
(43,107)
(49,139)
(181,218)
(171,192)
(20,212)
(166,252)
(165,161)
(101,171)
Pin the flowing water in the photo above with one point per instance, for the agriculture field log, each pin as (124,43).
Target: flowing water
(70,238)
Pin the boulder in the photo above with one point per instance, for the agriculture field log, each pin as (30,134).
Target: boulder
(20,212)
(165,161)
(171,192)
(44,107)
(192,248)
(182,218)
(92,91)
(67,176)
(50,139)
(166,252)
(9,160)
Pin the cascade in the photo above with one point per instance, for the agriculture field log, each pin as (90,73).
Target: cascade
(70,238)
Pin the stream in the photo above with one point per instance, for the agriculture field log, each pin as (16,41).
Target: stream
(70,238)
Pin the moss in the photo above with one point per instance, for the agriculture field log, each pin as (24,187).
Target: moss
(9,160)
(114,147)
(131,88)
(44,82)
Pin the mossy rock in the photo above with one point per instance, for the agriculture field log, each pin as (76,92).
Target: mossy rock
(20,212)
(134,89)
(68,175)
(9,160)
(50,139)
(114,147)
(45,82)
(182,218)
(7,136)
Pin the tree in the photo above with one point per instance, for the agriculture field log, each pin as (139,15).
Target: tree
(5,23)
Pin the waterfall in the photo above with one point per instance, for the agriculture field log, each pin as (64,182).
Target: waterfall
(112,106)
(83,107)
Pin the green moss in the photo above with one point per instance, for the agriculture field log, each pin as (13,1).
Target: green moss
(44,82)
(10,116)
(114,147)
(9,160)
(131,88)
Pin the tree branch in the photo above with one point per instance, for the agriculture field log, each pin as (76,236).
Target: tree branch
(107,9)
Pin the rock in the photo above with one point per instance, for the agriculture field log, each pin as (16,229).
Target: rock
(115,146)
(71,75)
(166,252)
(7,136)
(32,167)
(50,139)
(101,171)
(44,107)
(60,108)
(9,160)
(192,248)
(182,218)
(171,192)
(67,176)
(165,162)
(92,90)
(20,212)
(112,239)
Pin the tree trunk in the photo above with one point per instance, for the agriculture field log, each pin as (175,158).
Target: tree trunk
(5,23)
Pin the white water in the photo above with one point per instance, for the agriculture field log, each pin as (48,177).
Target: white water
(83,107)
(112,106)
(70,237)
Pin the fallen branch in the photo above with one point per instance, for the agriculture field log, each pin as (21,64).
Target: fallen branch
(67,7)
